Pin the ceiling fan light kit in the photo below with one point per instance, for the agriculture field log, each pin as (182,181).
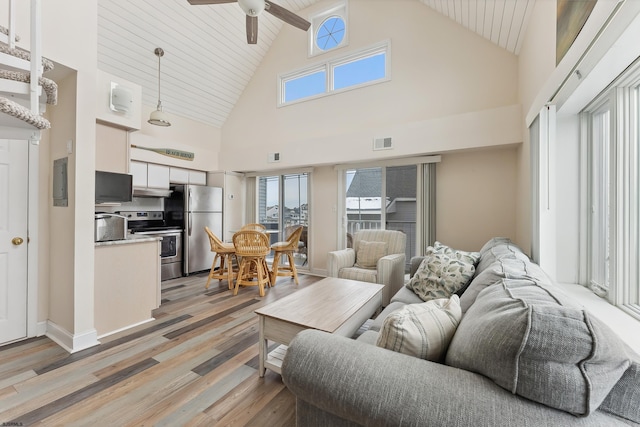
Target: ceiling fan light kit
(159,117)
(253,8)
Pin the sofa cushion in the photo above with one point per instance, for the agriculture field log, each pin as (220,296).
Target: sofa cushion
(362,274)
(498,251)
(422,330)
(368,253)
(440,275)
(370,337)
(501,268)
(625,395)
(376,325)
(406,296)
(519,334)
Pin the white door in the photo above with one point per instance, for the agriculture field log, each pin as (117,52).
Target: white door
(13,239)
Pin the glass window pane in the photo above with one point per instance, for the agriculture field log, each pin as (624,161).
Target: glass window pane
(600,202)
(269,202)
(295,212)
(360,71)
(305,86)
(364,200)
(401,213)
(331,33)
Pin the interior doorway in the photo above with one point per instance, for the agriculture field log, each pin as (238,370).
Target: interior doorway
(14,179)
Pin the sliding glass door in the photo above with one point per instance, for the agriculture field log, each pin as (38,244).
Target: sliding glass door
(282,207)
(382,198)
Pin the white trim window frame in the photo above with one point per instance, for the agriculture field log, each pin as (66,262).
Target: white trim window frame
(619,162)
(330,66)
(425,197)
(600,141)
(340,10)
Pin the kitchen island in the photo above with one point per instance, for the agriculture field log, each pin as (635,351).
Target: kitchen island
(127,283)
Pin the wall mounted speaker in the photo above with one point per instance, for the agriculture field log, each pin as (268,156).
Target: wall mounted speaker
(121,99)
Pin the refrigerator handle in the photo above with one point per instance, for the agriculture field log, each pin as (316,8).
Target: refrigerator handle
(188,208)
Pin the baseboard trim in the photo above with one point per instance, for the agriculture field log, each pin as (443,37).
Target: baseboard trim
(41,328)
(70,342)
(126,327)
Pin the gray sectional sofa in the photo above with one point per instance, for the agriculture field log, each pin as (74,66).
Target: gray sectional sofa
(522,355)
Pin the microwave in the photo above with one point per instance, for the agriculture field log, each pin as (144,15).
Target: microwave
(109,227)
(113,187)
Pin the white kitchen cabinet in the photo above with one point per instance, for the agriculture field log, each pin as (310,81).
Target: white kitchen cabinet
(197,177)
(157,176)
(149,175)
(187,176)
(139,172)
(179,175)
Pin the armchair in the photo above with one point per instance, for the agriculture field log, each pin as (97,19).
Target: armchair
(387,271)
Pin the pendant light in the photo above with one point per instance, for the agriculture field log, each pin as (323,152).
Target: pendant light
(158,117)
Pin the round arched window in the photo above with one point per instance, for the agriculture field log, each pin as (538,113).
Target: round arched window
(331,33)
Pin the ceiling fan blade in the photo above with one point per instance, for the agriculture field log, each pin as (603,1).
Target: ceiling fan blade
(252,29)
(199,2)
(287,16)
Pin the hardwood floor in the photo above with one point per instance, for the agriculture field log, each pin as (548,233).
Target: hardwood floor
(195,364)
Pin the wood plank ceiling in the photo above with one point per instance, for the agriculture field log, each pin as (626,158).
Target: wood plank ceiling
(208,63)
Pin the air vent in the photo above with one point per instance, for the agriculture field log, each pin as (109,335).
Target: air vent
(382,144)
(273,157)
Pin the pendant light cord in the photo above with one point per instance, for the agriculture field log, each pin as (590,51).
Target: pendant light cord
(159,53)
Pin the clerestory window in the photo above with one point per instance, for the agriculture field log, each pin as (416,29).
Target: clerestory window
(361,68)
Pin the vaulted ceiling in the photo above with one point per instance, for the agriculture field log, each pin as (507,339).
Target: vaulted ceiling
(207,61)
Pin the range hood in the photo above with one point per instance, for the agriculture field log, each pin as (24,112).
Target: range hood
(150,192)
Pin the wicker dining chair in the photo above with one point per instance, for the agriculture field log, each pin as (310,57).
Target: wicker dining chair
(287,248)
(225,254)
(254,226)
(252,247)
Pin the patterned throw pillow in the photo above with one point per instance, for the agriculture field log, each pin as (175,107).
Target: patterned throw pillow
(422,330)
(369,253)
(468,257)
(442,272)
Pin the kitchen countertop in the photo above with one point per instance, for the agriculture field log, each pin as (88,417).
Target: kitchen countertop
(132,238)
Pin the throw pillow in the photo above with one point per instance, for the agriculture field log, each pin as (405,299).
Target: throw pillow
(440,275)
(422,330)
(468,257)
(369,253)
(519,334)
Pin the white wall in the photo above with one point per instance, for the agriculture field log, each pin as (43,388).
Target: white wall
(69,38)
(436,88)
(450,90)
(475,197)
(536,62)
(541,81)
(184,134)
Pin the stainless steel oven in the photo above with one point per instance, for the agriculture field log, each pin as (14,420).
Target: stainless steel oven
(170,252)
(151,223)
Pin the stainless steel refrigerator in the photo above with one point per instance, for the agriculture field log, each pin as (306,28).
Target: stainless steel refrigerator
(194,207)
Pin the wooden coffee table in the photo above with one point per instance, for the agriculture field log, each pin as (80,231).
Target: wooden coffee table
(337,306)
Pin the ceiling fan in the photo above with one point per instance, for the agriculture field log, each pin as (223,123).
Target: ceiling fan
(253,8)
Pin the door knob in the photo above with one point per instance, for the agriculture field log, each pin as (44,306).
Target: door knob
(17,241)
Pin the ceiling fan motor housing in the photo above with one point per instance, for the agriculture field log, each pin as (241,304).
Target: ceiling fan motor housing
(252,7)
